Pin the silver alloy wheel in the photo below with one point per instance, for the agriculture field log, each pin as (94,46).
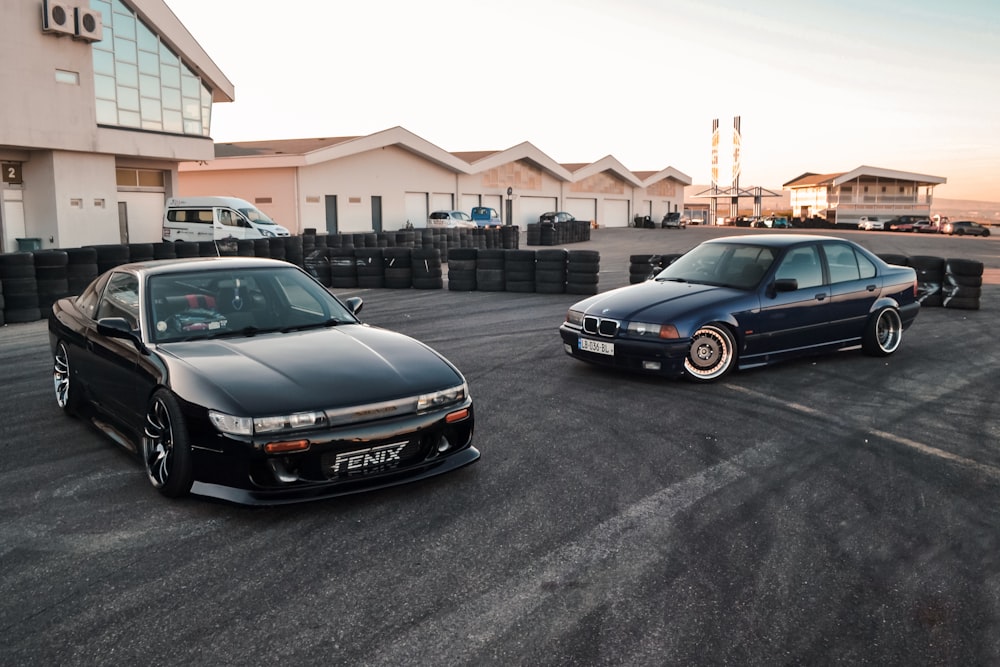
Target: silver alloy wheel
(888,330)
(158,443)
(711,353)
(60,376)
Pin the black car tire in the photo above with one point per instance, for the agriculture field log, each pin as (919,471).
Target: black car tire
(67,395)
(712,353)
(166,449)
(883,333)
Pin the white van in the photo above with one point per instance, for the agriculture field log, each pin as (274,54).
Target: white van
(213,218)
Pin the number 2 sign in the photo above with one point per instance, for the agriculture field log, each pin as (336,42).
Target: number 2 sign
(12,172)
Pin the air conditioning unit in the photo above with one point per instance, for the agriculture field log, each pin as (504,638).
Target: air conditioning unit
(88,25)
(57,17)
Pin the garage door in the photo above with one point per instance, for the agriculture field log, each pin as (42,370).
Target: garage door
(615,213)
(144,215)
(416,208)
(442,201)
(468,202)
(582,209)
(528,209)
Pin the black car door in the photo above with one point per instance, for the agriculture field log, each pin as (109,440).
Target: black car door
(114,361)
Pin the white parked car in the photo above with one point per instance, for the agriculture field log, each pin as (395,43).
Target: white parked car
(870,223)
(450,219)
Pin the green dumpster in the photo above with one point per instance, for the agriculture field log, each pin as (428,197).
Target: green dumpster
(29,245)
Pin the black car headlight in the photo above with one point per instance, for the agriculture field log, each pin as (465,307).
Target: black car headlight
(234,425)
(441,399)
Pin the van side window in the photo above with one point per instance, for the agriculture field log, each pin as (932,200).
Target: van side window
(227,218)
(199,215)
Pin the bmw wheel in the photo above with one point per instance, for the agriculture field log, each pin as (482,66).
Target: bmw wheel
(166,450)
(65,388)
(711,355)
(883,333)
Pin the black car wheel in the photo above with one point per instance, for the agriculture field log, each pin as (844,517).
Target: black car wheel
(712,353)
(883,333)
(166,450)
(65,388)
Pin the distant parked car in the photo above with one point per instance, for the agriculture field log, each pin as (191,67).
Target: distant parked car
(450,219)
(965,228)
(556,217)
(870,223)
(485,216)
(925,226)
(673,221)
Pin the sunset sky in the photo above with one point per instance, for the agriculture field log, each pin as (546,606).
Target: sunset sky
(820,86)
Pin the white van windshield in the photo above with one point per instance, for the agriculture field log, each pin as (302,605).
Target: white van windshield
(257,216)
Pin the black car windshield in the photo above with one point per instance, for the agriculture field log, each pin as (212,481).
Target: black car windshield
(210,303)
(737,265)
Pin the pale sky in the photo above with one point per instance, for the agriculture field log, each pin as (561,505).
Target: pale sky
(820,86)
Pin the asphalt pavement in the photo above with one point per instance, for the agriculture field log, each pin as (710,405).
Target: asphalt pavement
(833,510)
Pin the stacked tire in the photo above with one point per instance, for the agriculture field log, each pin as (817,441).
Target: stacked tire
(550,271)
(161,250)
(519,270)
(343,267)
(81,268)
(51,277)
(640,268)
(140,252)
(276,247)
(186,249)
(397,267)
(371,272)
(462,263)
(930,277)
(426,267)
(582,269)
(490,274)
(20,288)
(110,256)
(294,250)
(963,283)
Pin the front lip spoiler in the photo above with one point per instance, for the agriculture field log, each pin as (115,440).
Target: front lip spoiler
(335,489)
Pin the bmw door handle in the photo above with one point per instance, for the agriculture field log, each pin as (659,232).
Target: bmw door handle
(870,288)
(821,296)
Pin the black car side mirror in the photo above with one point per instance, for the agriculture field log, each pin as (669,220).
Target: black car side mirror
(355,303)
(782,285)
(118,327)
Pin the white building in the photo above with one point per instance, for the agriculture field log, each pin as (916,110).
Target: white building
(101,101)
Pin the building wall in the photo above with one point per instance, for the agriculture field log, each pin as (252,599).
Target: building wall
(254,185)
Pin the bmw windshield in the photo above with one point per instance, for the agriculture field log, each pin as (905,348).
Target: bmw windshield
(739,266)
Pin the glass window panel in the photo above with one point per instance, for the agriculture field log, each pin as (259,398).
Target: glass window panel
(104,63)
(119,8)
(107,16)
(125,50)
(171,98)
(192,109)
(147,39)
(149,86)
(150,179)
(152,125)
(128,98)
(104,87)
(170,75)
(168,57)
(129,118)
(151,109)
(173,121)
(192,127)
(125,26)
(107,112)
(126,178)
(190,85)
(149,63)
(127,75)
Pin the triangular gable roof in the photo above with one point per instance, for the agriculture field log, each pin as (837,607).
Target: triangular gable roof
(276,147)
(524,151)
(473,156)
(649,178)
(607,163)
(809,179)
(162,20)
(395,136)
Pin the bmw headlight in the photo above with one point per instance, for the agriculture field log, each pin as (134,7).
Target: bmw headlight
(575,317)
(443,398)
(651,330)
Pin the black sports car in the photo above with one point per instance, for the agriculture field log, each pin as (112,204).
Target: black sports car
(246,380)
(747,301)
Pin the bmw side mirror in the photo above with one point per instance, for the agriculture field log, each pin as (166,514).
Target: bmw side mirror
(782,285)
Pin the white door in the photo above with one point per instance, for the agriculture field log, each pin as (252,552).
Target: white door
(442,201)
(12,217)
(415,204)
(469,201)
(529,209)
(582,209)
(615,213)
(145,215)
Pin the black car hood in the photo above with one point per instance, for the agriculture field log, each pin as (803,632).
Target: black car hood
(277,373)
(658,299)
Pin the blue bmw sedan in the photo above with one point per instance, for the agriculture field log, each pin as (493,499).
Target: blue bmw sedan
(746,301)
